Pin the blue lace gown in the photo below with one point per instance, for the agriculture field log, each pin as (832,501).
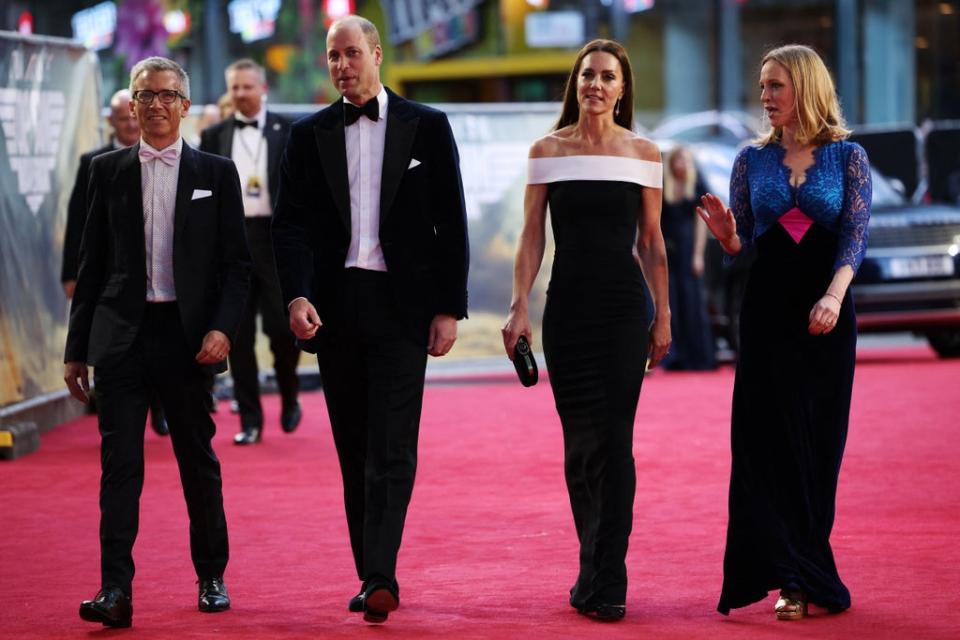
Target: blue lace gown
(791,398)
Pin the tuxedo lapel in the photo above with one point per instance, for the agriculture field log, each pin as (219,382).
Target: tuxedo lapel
(186,180)
(129,174)
(401,131)
(274,135)
(332,149)
(226,138)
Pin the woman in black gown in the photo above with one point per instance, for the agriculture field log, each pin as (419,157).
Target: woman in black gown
(602,184)
(802,196)
(685,235)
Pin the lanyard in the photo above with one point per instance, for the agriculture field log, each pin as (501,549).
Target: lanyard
(243,143)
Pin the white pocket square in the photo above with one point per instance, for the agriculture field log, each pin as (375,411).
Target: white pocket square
(413,163)
(201,193)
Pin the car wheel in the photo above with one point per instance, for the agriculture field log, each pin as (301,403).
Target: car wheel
(946,342)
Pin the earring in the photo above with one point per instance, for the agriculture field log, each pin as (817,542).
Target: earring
(616,108)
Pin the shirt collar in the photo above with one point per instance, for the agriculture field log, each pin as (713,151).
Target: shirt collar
(260,118)
(381,100)
(178,145)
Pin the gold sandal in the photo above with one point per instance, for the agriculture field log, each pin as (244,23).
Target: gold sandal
(791,606)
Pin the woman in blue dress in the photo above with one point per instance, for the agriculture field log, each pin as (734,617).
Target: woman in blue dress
(802,196)
(602,184)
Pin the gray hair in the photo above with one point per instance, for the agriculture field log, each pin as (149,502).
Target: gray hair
(156,63)
(120,98)
(368,29)
(246,63)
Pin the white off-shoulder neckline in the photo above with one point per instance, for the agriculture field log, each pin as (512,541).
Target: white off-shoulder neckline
(584,167)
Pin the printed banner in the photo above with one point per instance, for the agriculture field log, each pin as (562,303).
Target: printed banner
(49,115)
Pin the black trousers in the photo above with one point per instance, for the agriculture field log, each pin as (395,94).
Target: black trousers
(264,297)
(158,362)
(373,375)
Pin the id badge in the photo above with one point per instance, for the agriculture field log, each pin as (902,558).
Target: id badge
(254,187)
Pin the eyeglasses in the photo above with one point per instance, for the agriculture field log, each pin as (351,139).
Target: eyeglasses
(167,96)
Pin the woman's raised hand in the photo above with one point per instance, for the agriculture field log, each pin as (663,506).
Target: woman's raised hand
(719,220)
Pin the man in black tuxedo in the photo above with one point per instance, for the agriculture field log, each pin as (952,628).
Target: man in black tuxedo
(126,132)
(164,272)
(254,138)
(370,237)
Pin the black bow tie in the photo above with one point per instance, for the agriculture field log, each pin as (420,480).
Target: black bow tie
(240,124)
(352,113)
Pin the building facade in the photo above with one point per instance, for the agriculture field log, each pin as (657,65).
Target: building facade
(895,61)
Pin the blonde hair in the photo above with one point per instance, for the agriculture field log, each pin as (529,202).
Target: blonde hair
(819,119)
(673,190)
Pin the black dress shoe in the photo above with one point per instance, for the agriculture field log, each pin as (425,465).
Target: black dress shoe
(290,418)
(159,423)
(248,436)
(604,612)
(356,603)
(213,596)
(380,598)
(111,607)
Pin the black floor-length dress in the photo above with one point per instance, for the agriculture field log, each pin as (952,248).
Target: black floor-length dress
(595,338)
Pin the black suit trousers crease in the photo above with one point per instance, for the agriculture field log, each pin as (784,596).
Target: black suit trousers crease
(159,361)
(264,297)
(373,375)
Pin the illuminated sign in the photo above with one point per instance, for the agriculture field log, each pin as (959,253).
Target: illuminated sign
(435,26)
(631,6)
(253,19)
(410,18)
(338,8)
(176,22)
(555,29)
(94,27)
(25,23)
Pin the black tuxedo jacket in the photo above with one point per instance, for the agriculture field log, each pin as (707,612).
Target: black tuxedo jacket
(218,139)
(77,215)
(211,263)
(423,229)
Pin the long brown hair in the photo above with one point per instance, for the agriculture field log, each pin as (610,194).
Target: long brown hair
(571,108)
(819,118)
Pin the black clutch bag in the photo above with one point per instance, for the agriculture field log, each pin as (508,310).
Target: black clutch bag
(524,363)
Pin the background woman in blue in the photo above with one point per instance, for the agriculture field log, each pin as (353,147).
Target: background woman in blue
(802,195)
(685,236)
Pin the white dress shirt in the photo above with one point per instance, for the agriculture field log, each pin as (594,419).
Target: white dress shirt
(365,141)
(249,152)
(159,183)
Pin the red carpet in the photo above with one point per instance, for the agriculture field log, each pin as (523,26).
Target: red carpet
(490,550)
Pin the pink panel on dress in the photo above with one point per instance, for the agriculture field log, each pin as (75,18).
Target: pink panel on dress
(796,223)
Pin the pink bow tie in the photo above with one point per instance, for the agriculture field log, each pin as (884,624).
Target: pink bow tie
(168,156)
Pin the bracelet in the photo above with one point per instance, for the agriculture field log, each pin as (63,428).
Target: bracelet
(834,297)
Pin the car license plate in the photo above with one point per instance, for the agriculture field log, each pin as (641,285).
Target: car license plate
(921,266)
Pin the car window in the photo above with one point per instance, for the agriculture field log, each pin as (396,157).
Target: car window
(884,195)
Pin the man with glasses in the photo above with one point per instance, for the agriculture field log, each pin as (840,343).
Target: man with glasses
(164,272)
(126,132)
(254,139)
